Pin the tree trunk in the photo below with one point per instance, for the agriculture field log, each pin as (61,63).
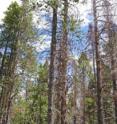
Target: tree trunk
(113,69)
(99,105)
(52,59)
(75,91)
(60,103)
(83,96)
(112,45)
(8,86)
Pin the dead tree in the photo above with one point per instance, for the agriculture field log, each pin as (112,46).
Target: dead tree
(98,80)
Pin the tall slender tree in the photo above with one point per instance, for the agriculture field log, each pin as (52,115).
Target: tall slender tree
(52,60)
(96,37)
(60,104)
(111,34)
(8,77)
(16,24)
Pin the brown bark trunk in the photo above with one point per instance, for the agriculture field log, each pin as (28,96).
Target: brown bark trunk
(112,43)
(113,62)
(52,59)
(99,105)
(64,65)
(8,85)
(75,99)
(60,103)
(3,61)
(83,96)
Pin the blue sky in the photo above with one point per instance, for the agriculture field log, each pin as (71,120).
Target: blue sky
(83,8)
(81,11)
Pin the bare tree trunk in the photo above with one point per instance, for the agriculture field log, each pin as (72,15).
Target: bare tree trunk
(52,59)
(63,66)
(75,91)
(112,43)
(114,89)
(75,104)
(60,104)
(83,96)
(99,105)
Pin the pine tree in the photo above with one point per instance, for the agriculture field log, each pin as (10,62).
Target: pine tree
(18,28)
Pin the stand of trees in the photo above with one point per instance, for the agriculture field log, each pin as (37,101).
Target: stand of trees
(76,81)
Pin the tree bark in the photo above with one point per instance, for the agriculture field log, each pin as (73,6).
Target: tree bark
(112,51)
(52,59)
(114,78)
(60,103)
(99,105)
(8,83)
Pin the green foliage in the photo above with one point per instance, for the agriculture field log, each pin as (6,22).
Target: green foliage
(76,1)
(89,101)
(13,16)
(19,34)
(84,66)
(39,95)
(83,60)
(30,85)
(72,24)
(52,3)
(34,109)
